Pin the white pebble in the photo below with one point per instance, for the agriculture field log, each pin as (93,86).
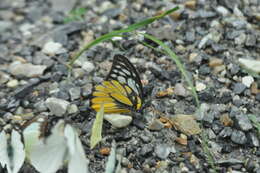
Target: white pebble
(52,48)
(12,83)
(247,80)
(118,120)
(200,86)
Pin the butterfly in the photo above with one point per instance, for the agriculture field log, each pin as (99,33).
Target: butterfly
(121,91)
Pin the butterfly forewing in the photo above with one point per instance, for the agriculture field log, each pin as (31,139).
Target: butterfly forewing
(121,91)
(123,71)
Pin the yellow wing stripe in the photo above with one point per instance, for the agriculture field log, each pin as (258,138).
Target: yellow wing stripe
(122,99)
(102,100)
(100,94)
(120,87)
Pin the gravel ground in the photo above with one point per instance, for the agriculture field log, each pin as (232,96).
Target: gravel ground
(215,40)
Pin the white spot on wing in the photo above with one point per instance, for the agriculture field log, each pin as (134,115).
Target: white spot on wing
(131,83)
(121,79)
(126,71)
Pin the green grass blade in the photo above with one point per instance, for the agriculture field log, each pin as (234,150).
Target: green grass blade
(178,63)
(118,33)
(96,132)
(255,123)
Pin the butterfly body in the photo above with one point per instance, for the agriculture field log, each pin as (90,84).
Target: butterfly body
(122,90)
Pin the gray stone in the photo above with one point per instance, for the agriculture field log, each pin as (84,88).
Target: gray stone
(179,90)
(253,139)
(238,137)
(206,14)
(72,109)
(146,149)
(222,10)
(5,25)
(27,69)
(156,125)
(190,36)
(238,23)
(78,72)
(243,122)
(250,64)
(226,132)
(75,93)
(239,88)
(240,39)
(57,106)
(209,117)
(88,66)
(163,150)
(40,106)
(250,40)
(4,77)
(211,134)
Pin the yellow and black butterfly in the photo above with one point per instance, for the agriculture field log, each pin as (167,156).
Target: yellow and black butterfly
(122,90)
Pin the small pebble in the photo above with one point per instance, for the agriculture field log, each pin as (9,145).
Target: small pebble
(52,48)
(200,86)
(247,81)
(12,83)
(57,106)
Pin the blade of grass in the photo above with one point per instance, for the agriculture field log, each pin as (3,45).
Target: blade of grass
(180,66)
(116,33)
(96,132)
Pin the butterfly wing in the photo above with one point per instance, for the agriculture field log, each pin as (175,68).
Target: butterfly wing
(122,91)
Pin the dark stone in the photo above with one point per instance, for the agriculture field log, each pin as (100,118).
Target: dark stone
(207,96)
(204,70)
(225,98)
(227,148)
(238,102)
(229,162)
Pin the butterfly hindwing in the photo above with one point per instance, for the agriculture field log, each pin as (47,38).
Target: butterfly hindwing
(121,91)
